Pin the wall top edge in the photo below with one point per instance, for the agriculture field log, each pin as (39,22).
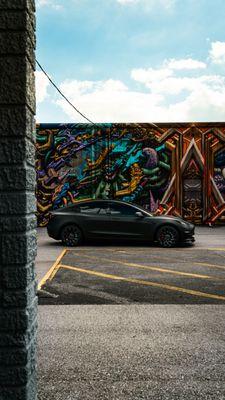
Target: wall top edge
(160,124)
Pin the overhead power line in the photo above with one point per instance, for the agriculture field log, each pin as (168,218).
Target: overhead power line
(60,92)
(75,108)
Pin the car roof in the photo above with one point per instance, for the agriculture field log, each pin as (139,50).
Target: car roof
(89,201)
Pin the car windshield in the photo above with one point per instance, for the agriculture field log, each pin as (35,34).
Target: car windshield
(142,209)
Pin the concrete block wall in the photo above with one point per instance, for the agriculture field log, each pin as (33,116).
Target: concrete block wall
(18,302)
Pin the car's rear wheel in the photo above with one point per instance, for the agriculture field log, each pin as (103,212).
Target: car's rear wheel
(167,236)
(71,235)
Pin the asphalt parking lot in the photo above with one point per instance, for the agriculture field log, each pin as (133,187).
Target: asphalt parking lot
(107,338)
(97,274)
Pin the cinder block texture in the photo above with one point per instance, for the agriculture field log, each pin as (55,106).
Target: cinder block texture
(18,5)
(18,301)
(15,120)
(17,81)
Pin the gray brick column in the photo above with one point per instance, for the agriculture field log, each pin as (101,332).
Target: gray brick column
(18,302)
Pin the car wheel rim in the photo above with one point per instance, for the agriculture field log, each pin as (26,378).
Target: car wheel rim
(167,237)
(71,236)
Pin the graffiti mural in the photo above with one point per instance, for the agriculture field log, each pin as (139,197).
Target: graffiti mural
(172,168)
(76,162)
(195,190)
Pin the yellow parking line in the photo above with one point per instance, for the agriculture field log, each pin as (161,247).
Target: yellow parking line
(52,271)
(172,271)
(209,265)
(156,256)
(180,250)
(213,248)
(146,283)
(195,263)
(158,269)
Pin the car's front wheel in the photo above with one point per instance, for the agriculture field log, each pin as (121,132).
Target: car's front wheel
(71,235)
(167,236)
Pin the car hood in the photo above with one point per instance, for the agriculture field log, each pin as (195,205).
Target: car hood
(170,217)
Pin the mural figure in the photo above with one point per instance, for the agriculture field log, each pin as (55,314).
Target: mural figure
(219,172)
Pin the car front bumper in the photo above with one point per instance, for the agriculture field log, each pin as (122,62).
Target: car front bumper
(188,235)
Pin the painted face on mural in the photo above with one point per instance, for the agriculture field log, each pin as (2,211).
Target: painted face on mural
(219,172)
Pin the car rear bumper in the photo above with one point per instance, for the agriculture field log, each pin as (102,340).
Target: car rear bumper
(50,232)
(52,229)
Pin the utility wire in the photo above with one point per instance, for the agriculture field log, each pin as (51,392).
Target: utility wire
(58,90)
(75,108)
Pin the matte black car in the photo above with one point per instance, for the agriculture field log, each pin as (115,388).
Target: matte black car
(112,219)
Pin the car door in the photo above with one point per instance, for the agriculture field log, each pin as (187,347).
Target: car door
(95,219)
(126,224)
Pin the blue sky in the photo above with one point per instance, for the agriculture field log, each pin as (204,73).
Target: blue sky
(131,60)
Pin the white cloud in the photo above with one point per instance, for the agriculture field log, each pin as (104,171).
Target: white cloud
(149,75)
(48,3)
(176,91)
(217,52)
(185,63)
(202,104)
(108,101)
(165,81)
(42,84)
(169,66)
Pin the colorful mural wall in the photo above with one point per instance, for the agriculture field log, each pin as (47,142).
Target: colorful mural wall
(172,168)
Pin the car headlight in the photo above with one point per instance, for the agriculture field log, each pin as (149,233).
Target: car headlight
(184,223)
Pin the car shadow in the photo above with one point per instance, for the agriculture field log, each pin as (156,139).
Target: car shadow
(117,243)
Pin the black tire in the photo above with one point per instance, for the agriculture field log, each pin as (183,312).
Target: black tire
(167,236)
(71,235)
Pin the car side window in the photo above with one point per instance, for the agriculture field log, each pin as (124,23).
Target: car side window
(104,211)
(104,208)
(89,209)
(122,210)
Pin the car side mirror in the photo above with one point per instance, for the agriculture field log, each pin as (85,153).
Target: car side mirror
(139,214)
